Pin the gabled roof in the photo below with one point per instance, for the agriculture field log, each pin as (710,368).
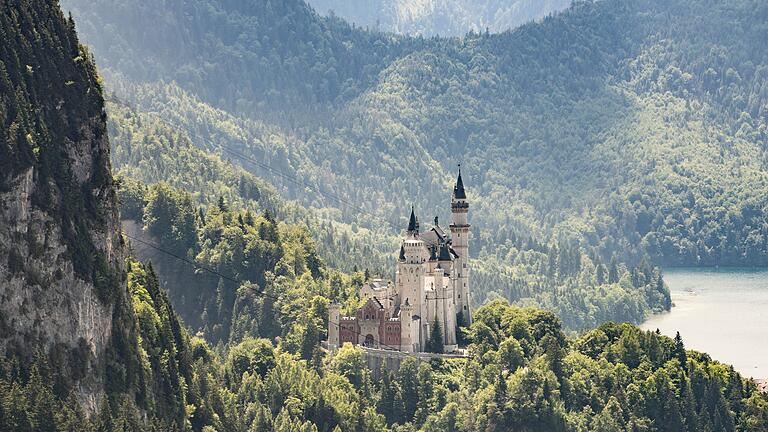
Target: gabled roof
(376,301)
(445,253)
(433,237)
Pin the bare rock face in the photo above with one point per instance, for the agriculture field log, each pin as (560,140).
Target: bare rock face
(44,305)
(62,287)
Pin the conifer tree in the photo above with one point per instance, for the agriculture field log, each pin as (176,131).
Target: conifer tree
(678,351)
(613,271)
(435,342)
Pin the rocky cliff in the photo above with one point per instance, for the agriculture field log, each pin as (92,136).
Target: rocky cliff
(62,291)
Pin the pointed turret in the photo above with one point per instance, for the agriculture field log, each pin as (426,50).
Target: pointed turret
(402,252)
(458,190)
(413,223)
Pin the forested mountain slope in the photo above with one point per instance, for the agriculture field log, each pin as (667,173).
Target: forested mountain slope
(91,341)
(627,129)
(590,104)
(439,17)
(582,289)
(75,350)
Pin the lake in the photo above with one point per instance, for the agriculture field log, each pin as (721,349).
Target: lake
(723,312)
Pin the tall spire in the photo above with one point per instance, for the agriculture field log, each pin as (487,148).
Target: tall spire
(413,223)
(458,190)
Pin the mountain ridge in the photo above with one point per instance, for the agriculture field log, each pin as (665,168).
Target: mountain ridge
(439,17)
(600,128)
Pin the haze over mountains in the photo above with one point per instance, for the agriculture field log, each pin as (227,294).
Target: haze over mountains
(264,159)
(627,129)
(439,17)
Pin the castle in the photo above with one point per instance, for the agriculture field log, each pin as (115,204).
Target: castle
(431,285)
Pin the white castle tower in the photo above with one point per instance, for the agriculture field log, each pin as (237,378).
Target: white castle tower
(431,287)
(460,242)
(334,318)
(410,275)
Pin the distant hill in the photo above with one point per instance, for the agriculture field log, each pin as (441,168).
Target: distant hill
(633,130)
(439,17)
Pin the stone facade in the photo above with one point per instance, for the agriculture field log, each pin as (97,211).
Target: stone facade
(431,285)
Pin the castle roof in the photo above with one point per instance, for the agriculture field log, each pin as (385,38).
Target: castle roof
(458,190)
(445,253)
(376,302)
(413,223)
(377,284)
(433,237)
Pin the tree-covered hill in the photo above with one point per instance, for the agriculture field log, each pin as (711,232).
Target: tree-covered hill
(154,148)
(631,127)
(623,129)
(90,340)
(60,247)
(439,17)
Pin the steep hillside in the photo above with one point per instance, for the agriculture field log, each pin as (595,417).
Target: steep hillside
(256,57)
(622,129)
(439,17)
(62,288)
(86,344)
(89,341)
(548,107)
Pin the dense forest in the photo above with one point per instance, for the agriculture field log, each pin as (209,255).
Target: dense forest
(582,289)
(635,129)
(252,288)
(439,17)
(526,375)
(628,132)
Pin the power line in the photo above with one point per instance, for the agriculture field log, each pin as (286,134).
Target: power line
(260,293)
(286,176)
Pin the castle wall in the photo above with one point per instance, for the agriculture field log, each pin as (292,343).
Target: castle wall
(379,360)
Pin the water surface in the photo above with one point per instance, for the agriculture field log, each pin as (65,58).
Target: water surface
(723,312)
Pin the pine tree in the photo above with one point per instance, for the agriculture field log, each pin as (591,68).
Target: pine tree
(409,388)
(500,392)
(678,351)
(386,402)
(613,271)
(600,274)
(460,326)
(435,342)
(310,340)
